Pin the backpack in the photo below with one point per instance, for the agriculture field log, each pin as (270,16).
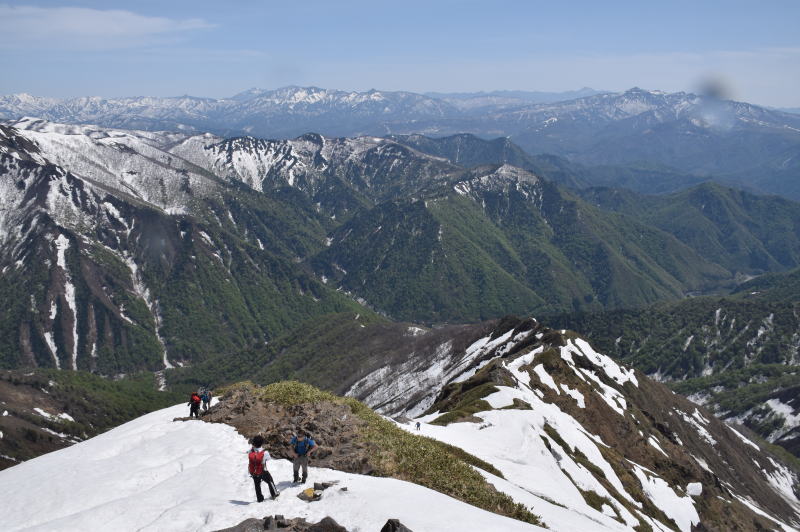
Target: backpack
(256,465)
(302,447)
(195,399)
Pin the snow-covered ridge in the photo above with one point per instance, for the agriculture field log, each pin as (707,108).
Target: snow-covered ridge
(193,476)
(131,162)
(557,408)
(313,163)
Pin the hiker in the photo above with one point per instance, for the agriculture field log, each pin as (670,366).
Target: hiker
(417,425)
(257,467)
(206,397)
(194,405)
(302,447)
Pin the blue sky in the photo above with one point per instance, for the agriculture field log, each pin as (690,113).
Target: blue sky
(174,47)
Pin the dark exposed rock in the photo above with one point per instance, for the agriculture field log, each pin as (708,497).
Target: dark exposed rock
(278,522)
(394,525)
(326,525)
(248,525)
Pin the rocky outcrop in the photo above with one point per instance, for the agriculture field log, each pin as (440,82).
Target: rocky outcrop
(332,426)
(279,522)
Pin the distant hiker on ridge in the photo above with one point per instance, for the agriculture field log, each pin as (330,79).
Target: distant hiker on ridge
(206,397)
(257,467)
(302,447)
(194,405)
(417,425)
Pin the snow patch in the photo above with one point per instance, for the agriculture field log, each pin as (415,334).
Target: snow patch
(654,442)
(679,509)
(694,489)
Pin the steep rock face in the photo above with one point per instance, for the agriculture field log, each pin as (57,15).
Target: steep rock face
(527,399)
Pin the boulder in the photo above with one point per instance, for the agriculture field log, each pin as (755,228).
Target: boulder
(394,525)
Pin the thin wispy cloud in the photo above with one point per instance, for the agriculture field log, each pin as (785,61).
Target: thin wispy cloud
(79,28)
(213,48)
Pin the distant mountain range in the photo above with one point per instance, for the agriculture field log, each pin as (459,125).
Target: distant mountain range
(496,99)
(677,134)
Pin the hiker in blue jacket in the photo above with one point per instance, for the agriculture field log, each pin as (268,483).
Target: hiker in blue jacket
(206,397)
(302,446)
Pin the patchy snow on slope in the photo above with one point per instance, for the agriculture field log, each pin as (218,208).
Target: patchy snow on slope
(545,378)
(701,430)
(702,463)
(575,394)
(141,290)
(62,245)
(44,414)
(53,417)
(131,161)
(614,371)
(48,338)
(745,440)
(415,331)
(680,509)
(427,375)
(791,417)
(390,394)
(750,504)
(784,480)
(654,442)
(193,476)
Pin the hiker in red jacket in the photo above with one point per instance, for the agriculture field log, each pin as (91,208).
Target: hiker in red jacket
(257,467)
(194,405)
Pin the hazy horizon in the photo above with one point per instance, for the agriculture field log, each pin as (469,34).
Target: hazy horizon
(89,48)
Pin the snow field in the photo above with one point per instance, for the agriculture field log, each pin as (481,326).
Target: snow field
(510,440)
(153,474)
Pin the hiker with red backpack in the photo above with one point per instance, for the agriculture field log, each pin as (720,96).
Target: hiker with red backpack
(194,405)
(257,467)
